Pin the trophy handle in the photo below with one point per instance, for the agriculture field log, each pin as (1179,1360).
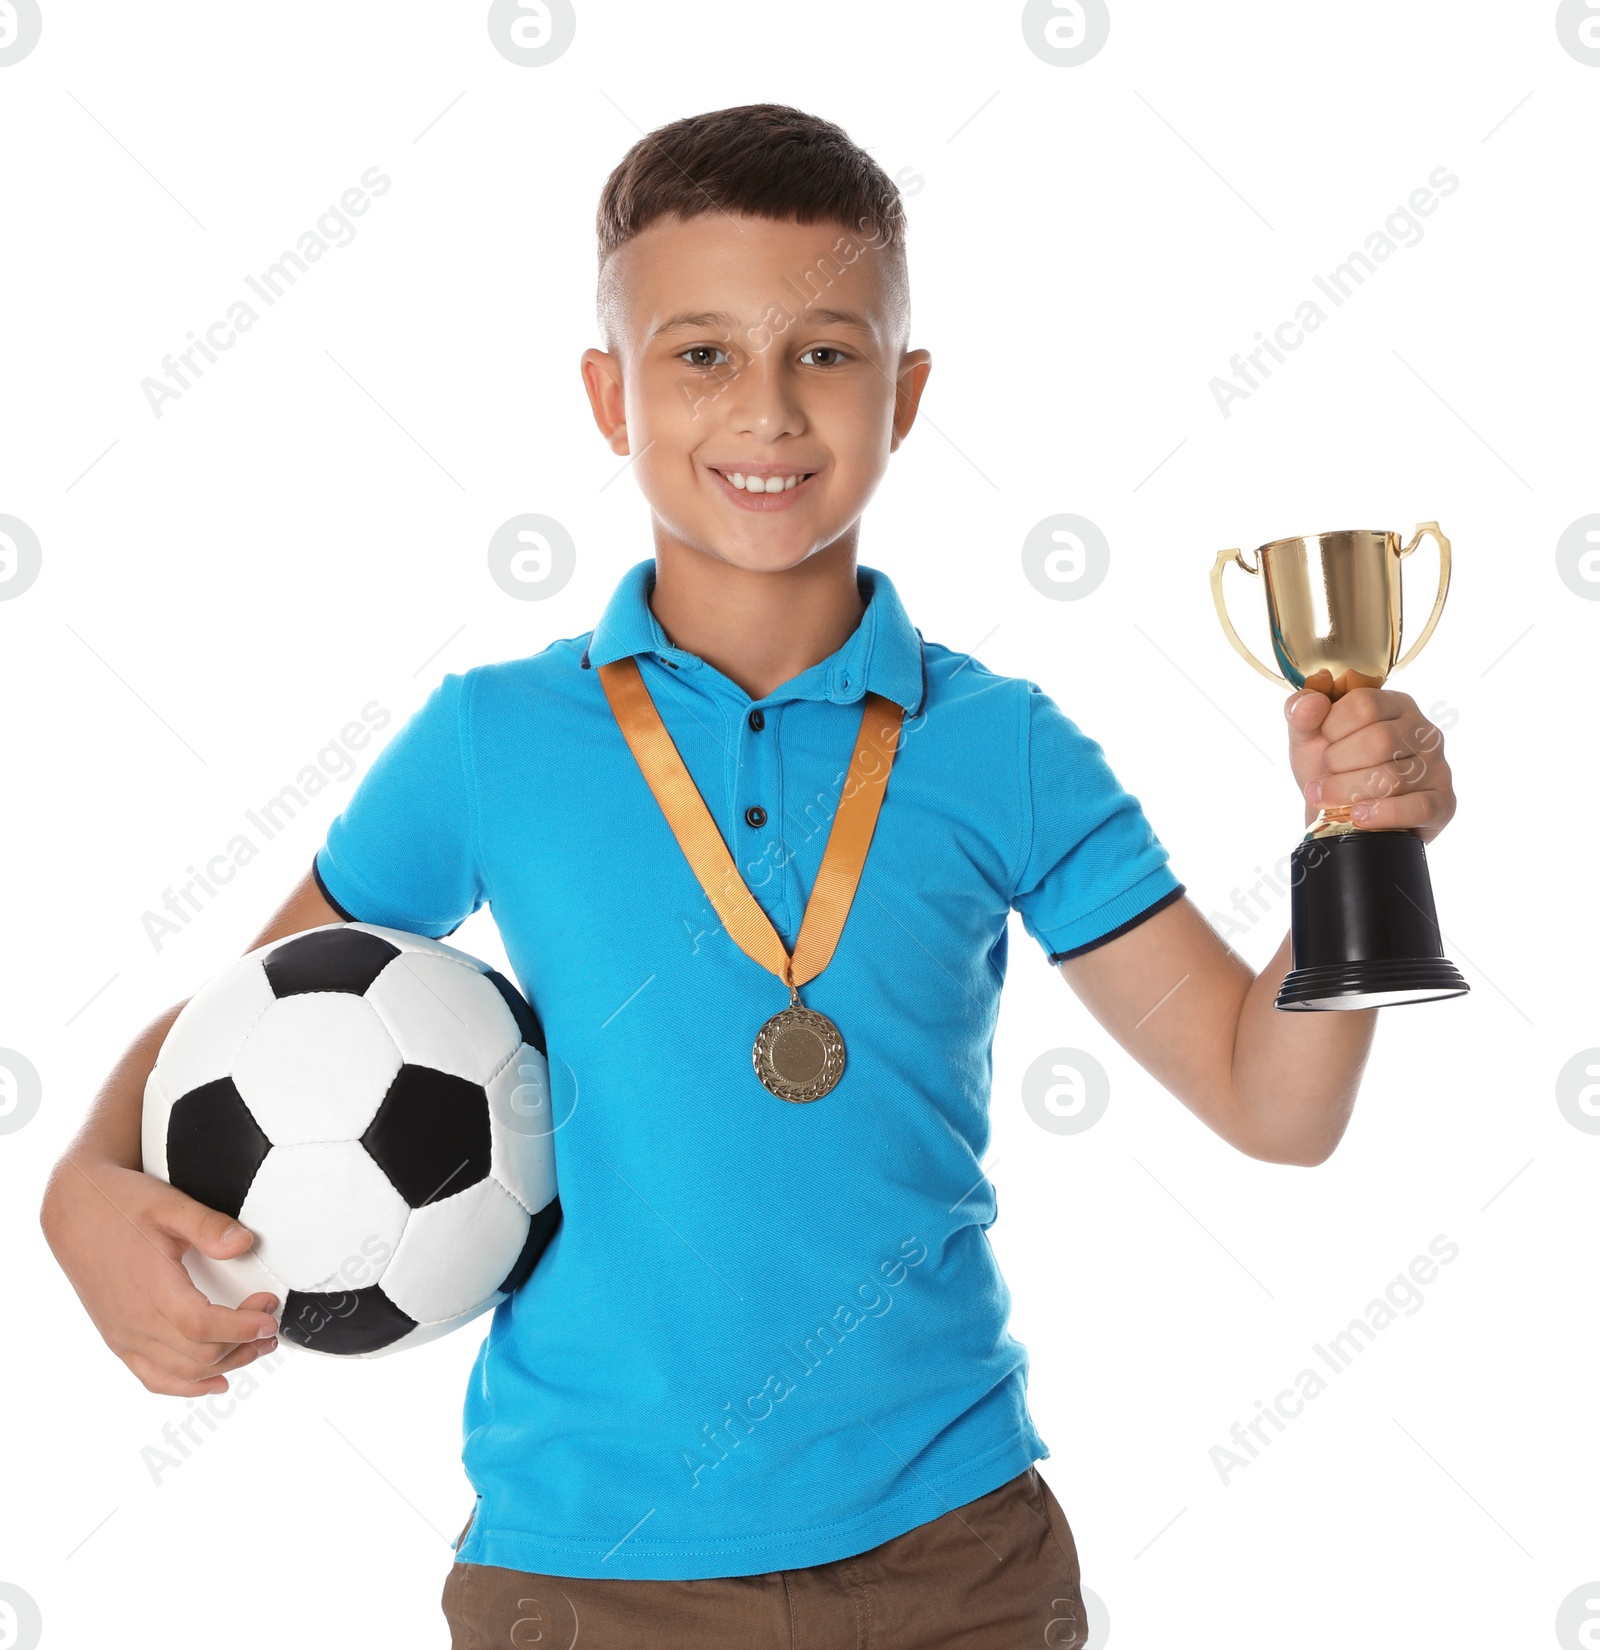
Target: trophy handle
(1223,558)
(1431,528)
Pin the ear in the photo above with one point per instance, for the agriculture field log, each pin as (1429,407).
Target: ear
(602,378)
(915,365)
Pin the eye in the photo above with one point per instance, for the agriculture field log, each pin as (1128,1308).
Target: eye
(826,349)
(702,349)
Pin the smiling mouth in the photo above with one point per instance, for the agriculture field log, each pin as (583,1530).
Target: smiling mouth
(755,484)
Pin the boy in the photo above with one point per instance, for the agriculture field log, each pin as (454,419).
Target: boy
(759,1390)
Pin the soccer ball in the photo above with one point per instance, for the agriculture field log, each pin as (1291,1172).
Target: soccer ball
(375,1107)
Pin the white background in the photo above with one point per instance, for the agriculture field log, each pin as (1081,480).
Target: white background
(304,532)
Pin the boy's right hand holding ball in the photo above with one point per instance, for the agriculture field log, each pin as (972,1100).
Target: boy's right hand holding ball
(120,1236)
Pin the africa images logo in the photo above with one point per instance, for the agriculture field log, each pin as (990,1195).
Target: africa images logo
(531,33)
(20,556)
(332,231)
(1578,30)
(1401,229)
(1402,1297)
(20,1624)
(1066,33)
(20,1092)
(20,25)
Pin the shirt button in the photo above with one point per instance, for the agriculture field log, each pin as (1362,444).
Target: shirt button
(755,816)
(757,720)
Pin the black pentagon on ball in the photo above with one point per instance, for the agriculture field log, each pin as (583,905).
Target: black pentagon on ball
(330,959)
(521,1010)
(215,1146)
(430,1135)
(347,1323)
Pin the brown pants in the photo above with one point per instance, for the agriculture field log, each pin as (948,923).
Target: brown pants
(1000,1571)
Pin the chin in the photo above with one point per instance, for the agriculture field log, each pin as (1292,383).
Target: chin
(772,556)
(768,558)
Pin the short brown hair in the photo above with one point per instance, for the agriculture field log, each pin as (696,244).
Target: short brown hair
(765,160)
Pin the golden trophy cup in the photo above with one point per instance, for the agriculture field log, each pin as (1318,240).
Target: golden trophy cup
(1362,919)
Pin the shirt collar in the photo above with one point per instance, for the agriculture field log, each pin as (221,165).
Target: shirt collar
(882,654)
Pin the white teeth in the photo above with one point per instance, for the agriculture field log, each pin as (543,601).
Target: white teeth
(764,484)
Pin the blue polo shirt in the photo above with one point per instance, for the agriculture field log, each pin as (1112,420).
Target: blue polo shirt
(766,1335)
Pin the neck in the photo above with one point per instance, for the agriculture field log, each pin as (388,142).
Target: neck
(758,629)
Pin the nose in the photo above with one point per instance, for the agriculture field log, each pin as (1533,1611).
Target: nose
(762,401)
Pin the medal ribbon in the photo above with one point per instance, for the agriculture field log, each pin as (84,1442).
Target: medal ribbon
(849,837)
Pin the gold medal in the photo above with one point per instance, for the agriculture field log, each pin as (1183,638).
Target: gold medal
(798,1053)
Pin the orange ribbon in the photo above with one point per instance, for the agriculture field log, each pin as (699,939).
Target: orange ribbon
(849,838)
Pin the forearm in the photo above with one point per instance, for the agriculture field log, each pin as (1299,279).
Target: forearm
(1278,1085)
(110,1131)
(1295,1074)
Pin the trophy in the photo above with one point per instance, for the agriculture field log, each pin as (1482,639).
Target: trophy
(1362,920)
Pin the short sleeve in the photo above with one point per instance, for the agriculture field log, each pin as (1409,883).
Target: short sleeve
(1094,868)
(404,852)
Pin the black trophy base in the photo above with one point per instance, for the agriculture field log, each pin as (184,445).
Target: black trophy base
(1363,926)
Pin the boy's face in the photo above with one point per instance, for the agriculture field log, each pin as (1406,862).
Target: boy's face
(721,366)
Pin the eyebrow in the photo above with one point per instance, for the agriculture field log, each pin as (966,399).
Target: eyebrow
(704,319)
